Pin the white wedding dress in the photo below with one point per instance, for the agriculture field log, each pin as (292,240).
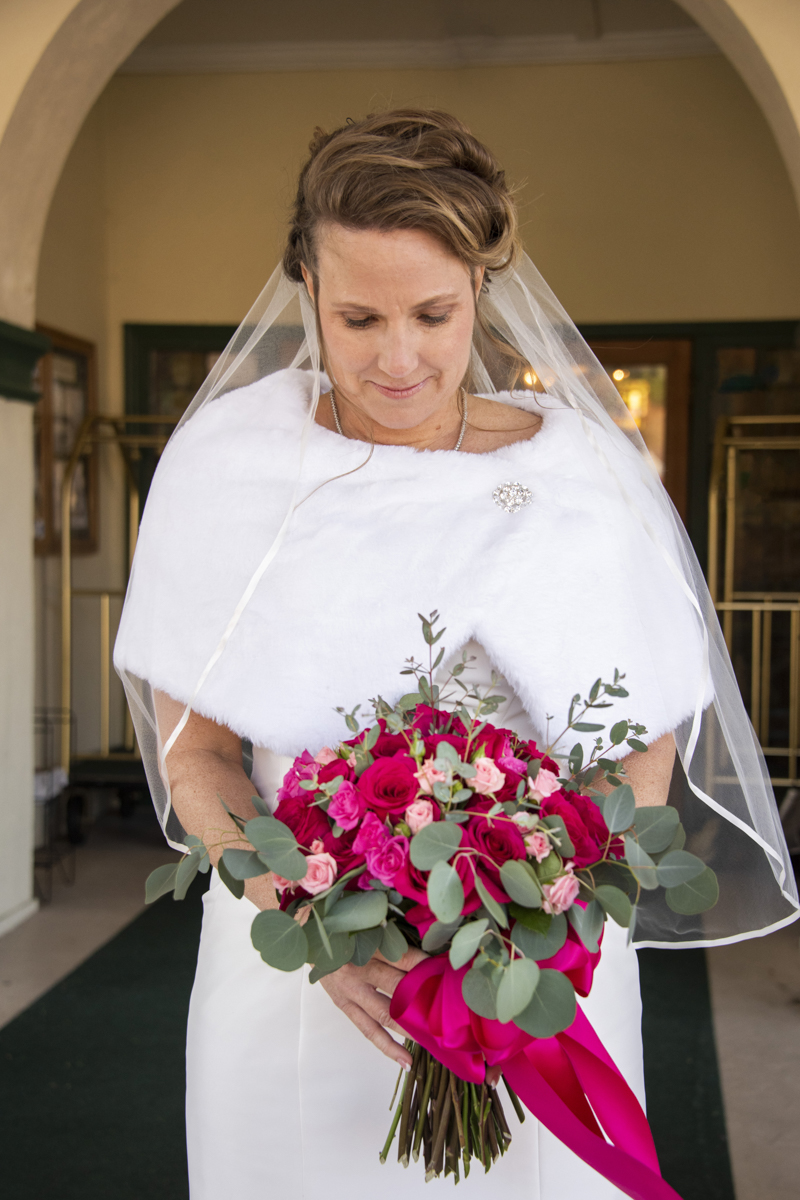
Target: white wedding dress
(287,1099)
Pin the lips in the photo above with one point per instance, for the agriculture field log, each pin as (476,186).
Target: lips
(399,393)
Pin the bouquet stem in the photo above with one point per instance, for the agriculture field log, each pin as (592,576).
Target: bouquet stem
(451,1121)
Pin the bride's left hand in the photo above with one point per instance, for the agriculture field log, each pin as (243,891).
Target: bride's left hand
(363,995)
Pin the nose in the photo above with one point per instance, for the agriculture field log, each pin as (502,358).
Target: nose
(398,356)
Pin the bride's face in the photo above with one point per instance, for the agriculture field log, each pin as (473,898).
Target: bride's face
(396,311)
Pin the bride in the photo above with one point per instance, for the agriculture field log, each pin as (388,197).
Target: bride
(298,522)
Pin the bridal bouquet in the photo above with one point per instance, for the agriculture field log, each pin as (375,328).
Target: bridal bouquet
(433,828)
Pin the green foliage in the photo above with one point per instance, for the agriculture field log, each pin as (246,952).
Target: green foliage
(540,946)
(280,941)
(393,943)
(641,864)
(619,808)
(445,892)
(233,885)
(561,838)
(466,942)
(656,827)
(696,896)
(587,923)
(678,867)
(480,992)
(187,869)
(160,881)
(552,1009)
(491,905)
(434,843)
(356,911)
(519,880)
(343,948)
(244,864)
(439,935)
(516,989)
(277,846)
(536,919)
(615,902)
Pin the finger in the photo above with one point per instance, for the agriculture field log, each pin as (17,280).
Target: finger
(381,975)
(376,1006)
(374,1032)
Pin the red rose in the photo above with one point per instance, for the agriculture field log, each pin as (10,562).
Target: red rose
(532,751)
(496,743)
(389,785)
(584,823)
(305,820)
(427,719)
(339,766)
(497,838)
(455,740)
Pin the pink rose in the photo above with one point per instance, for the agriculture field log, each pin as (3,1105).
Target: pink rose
(419,814)
(303,767)
(325,756)
(372,833)
(488,777)
(428,776)
(386,860)
(544,785)
(347,806)
(319,876)
(560,896)
(538,846)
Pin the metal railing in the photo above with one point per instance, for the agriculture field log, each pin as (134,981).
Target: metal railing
(130,433)
(729,441)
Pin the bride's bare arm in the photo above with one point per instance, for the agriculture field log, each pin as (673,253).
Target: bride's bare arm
(206,763)
(649,774)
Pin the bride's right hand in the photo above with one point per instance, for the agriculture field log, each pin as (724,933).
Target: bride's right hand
(363,994)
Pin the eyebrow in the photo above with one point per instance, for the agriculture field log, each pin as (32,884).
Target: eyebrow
(444,298)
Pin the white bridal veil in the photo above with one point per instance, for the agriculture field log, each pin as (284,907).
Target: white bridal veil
(720,783)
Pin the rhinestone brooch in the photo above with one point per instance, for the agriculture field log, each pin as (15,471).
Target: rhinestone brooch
(511,497)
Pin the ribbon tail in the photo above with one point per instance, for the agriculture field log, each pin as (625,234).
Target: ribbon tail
(631,1176)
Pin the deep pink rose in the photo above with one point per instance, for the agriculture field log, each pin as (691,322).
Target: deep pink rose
(455,740)
(338,767)
(347,806)
(584,823)
(427,719)
(306,821)
(497,838)
(389,785)
(372,832)
(496,743)
(303,767)
(386,860)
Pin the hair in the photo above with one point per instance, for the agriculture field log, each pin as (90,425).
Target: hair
(410,168)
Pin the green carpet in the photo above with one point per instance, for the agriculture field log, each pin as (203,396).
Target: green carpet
(92,1075)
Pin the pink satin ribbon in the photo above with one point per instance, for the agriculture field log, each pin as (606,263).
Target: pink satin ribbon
(569,1082)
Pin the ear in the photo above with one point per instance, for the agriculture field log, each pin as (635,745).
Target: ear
(477,279)
(308,279)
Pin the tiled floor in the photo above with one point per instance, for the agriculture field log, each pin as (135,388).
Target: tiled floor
(755,992)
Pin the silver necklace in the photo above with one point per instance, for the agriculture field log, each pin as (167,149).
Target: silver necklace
(462,431)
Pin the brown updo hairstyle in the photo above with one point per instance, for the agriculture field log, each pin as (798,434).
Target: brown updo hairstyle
(410,168)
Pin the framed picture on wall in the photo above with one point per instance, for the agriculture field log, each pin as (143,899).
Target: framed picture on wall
(67,379)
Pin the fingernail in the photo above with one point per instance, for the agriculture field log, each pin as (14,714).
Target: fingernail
(406,1066)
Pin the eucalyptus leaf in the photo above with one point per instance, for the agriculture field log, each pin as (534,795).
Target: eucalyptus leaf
(532,918)
(243,864)
(656,827)
(393,943)
(480,993)
(447,752)
(191,840)
(614,874)
(260,806)
(696,896)
(588,923)
(490,904)
(343,947)
(367,942)
(618,732)
(516,988)
(356,911)
(576,758)
(236,886)
(615,903)
(678,867)
(587,727)
(519,880)
(552,1009)
(641,864)
(187,869)
(439,935)
(277,845)
(280,941)
(160,881)
(540,946)
(434,843)
(561,838)
(619,808)
(466,942)
(445,892)
(549,867)
(637,744)
(460,818)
